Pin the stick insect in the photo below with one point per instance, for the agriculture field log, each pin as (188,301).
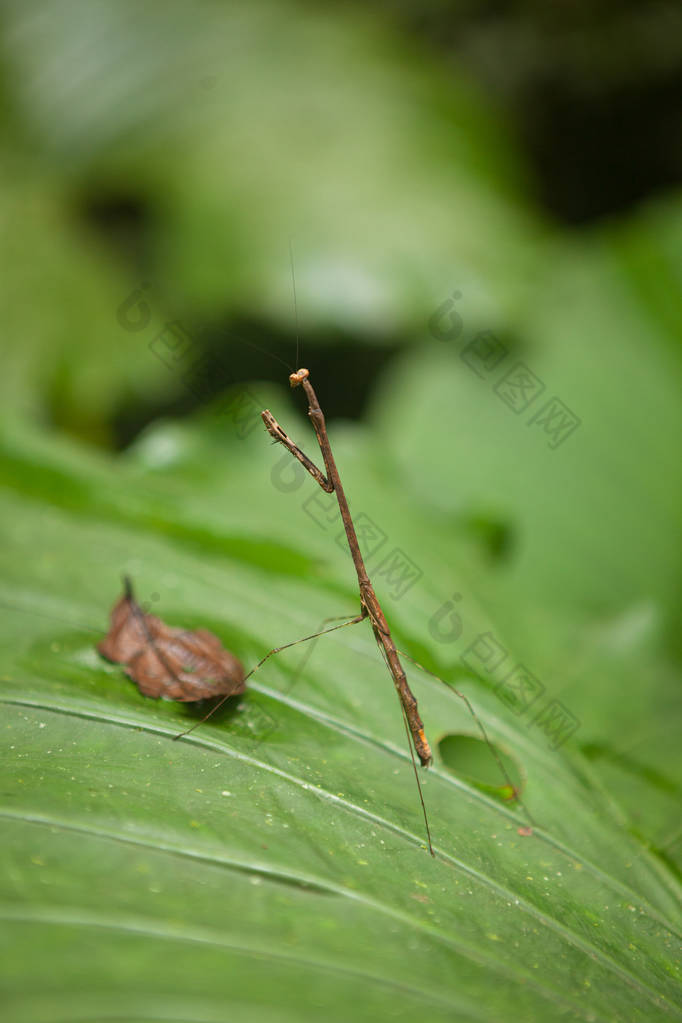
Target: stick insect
(370,607)
(369,603)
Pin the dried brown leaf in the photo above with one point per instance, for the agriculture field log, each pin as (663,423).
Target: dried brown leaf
(175,664)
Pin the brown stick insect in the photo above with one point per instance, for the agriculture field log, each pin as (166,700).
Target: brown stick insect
(369,603)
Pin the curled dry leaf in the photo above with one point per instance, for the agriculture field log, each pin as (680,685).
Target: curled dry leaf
(175,664)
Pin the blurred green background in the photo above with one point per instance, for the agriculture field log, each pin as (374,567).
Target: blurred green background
(484,206)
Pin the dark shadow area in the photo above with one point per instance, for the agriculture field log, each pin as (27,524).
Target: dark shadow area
(592,92)
(246,351)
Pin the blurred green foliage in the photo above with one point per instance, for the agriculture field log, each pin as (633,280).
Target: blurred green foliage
(211,136)
(159,160)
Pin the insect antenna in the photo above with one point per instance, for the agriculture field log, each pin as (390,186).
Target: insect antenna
(293,285)
(257,348)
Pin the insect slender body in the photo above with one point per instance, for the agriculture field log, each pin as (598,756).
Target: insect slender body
(369,603)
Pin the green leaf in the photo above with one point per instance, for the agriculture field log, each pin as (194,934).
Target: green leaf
(272,864)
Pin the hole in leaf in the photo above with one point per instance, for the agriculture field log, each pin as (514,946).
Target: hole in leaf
(495,536)
(472,760)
